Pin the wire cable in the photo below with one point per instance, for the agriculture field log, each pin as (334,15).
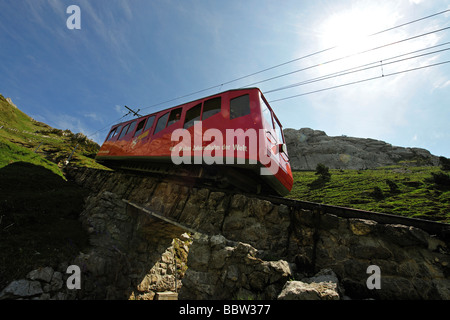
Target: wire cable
(291,61)
(347,56)
(274,67)
(371,65)
(108,125)
(360,81)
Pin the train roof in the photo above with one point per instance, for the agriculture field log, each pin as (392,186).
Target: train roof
(179,105)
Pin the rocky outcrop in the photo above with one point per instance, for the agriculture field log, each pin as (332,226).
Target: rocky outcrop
(224,269)
(308,147)
(242,247)
(40,284)
(323,286)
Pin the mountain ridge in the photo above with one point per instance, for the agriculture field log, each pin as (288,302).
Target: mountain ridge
(308,147)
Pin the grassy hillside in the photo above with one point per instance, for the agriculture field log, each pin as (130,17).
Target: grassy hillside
(420,192)
(20,136)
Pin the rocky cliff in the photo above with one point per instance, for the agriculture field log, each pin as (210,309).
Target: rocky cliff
(308,147)
(242,248)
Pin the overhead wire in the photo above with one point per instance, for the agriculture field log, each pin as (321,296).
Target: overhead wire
(297,59)
(108,125)
(291,61)
(364,67)
(346,57)
(360,81)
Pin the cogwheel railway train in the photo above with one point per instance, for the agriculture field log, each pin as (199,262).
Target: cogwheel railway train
(230,138)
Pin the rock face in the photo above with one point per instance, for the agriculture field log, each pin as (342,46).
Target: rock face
(241,247)
(323,286)
(40,284)
(308,147)
(223,269)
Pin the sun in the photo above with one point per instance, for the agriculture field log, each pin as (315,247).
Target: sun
(351,34)
(353,29)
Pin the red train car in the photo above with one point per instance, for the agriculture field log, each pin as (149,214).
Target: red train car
(233,136)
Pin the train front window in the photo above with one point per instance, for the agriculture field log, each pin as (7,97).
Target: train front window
(211,107)
(278,131)
(161,124)
(267,115)
(193,114)
(240,106)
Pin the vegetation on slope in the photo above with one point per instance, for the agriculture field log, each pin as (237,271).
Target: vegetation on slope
(419,192)
(25,139)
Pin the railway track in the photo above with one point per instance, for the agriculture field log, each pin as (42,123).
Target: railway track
(442,230)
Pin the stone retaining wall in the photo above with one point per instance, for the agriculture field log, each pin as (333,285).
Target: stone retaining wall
(245,247)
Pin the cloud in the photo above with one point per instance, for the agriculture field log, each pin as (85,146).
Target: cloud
(93,116)
(111,25)
(442,84)
(64,121)
(119,109)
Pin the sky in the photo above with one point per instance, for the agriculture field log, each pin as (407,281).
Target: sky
(356,68)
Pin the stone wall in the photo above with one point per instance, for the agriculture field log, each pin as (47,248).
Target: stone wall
(243,247)
(131,254)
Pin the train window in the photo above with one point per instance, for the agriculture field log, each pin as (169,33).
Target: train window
(161,124)
(131,127)
(112,134)
(240,106)
(267,115)
(193,114)
(211,107)
(149,123)
(140,127)
(124,131)
(175,115)
(278,131)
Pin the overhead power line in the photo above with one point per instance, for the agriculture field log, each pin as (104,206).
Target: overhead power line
(291,61)
(364,67)
(360,81)
(347,56)
(108,125)
(286,63)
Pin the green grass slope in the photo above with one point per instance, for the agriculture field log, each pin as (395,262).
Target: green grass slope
(24,139)
(402,190)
